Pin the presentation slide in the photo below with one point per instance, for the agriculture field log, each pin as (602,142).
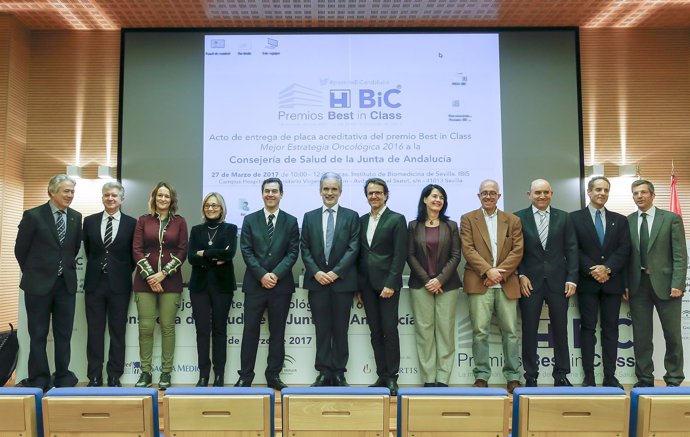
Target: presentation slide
(410,109)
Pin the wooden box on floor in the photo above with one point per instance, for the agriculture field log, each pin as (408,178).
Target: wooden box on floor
(336,412)
(107,412)
(21,412)
(571,412)
(219,412)
(453,412)
(660,412)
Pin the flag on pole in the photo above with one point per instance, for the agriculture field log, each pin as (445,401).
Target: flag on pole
(675,202)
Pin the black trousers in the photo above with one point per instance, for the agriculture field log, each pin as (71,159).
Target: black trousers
(331,314)
(210,311)
(278,307)
(607,308)
(58,304)
(102,303)
(530,310)
(382,317)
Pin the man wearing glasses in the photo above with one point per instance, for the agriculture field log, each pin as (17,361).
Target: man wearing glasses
(492,244)
(382,255)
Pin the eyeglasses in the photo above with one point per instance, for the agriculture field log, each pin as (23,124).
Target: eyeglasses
(489,194)
(211,206)
(375,193)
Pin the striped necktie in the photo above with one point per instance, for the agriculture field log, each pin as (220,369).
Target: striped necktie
(61,231)
(270,227)
(543,227)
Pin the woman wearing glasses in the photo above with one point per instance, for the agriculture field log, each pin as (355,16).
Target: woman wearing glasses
(212,245)
(433,255)
(159,248)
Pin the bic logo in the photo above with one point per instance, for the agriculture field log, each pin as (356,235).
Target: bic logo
(367,98)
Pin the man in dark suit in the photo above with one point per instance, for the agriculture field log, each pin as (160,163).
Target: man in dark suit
(108,284)
(330,245)
(603,239)
(656,279)
(270,245)
(492,245)
(382,255)
(47,243)
(548,273)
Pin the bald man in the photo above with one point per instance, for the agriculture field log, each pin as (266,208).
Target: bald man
(548,273)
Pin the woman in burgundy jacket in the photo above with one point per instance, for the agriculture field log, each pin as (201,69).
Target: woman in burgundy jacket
(160,248)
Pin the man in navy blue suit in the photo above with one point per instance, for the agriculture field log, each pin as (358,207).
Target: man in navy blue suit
(47,244)
(270,246)
(548,273)
(330,245)
(108,284)
(603,239)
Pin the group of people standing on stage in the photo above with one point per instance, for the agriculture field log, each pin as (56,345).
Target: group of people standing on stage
(537,255)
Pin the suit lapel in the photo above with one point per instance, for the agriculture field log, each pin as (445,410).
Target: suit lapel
(634,232)
(443,236)
(420,231)
(610,229)
(365,230)
(50,220)
(383,222)
(483,229)
(589,226)
(501,230)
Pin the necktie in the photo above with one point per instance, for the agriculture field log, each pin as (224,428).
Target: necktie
(543,228)
(330,230)
(108,239)
(270,227)
(644,241)
(599,226)
(61,230)
(61,227)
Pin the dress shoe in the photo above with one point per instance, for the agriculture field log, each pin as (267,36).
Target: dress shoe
(202,382)
(562,382)
(612,382)
(275,383)
(672,384)
(512,385)
(640,384)
(243,383)
(145,380)
(392,385)
(429,384)
(114,382)
(321,381)
(441,384)
(339,381)
(531,381)
(589,381)
(95,382)
(218,381)
(480,383)
(164,382)
(381,382)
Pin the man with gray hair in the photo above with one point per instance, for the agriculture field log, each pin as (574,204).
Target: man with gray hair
(330,246)
(108,284)
(47,244)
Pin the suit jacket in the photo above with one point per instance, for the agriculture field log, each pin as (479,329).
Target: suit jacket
(476,248)
(558,262)
(447,256)
(153,254)
(118,256)
(667,256)
(38,250)
(206,273)
(613,254)
(381,264)
(343,257)
(261,257)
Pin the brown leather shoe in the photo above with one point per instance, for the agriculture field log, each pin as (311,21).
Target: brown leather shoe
(480,383)
(512,385)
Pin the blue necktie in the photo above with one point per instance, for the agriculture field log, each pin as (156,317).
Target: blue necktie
(599,226)
(330,230)
(61,230)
